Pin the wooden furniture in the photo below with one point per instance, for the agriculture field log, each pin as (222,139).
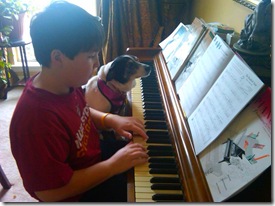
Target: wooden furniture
(4,180)
(21,45)
(191,176)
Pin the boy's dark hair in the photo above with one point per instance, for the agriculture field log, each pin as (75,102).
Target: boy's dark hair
(66,27)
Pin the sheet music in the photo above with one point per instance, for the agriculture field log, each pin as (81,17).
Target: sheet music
(235,87)
(180,54)
(173,41)
(190,65)
(250,152)
(206,71)
(177,47)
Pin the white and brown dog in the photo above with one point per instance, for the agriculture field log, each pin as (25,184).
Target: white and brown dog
(107,90)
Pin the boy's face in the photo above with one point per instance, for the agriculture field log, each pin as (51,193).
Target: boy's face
(81,68)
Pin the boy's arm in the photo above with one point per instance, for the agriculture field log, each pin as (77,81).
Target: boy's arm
(122,125)
(82,180)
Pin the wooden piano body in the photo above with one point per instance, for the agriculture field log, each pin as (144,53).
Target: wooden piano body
(193,181)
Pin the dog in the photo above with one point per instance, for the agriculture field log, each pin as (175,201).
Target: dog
(107,91)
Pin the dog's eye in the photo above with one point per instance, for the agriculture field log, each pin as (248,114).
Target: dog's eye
(130,64)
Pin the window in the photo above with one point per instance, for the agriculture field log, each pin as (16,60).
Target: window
(88,5)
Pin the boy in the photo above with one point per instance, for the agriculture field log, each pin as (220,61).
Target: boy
(54,134)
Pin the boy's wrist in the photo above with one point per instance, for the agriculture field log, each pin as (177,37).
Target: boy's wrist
(102,120)
(104,123)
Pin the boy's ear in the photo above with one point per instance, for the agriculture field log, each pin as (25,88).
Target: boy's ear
(56,55)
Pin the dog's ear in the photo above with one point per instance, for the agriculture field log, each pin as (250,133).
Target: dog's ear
(110,75)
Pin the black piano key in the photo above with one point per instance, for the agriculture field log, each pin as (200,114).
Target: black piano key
(157,133)
(161,160)
(165,180)
(155,125)
(154,94)
(151,85)
(163,171)
(150,78)
(158,140)
(155,153)
(159,126)
(152,90)
(162,165)
(151,99)
(145,89)
(161,118)
(149,91)
(154,102)
(167,197)
(148,117)
(159,113)
(154,150)
(149,88)
(156,116)
(152,105)
(160,148)
(157,186)
(162,136)
(149,81)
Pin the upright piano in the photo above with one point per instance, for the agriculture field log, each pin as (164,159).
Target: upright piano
(174,172)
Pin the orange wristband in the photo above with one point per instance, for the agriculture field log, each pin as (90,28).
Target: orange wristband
(102,120)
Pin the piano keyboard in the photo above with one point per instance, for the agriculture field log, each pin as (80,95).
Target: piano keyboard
(157,180)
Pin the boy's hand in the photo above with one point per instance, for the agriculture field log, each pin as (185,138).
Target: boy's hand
(131,155)
(125,125)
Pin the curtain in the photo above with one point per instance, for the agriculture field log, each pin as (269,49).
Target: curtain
(173,12)
(139,23)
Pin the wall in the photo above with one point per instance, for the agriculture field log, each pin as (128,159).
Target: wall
(227,12)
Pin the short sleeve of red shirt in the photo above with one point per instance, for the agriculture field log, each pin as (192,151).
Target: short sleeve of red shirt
(51,136)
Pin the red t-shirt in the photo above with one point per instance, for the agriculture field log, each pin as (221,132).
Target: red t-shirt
(51,136)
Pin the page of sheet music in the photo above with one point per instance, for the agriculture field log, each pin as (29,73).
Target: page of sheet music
(206,71)
(241,152)
(172,42)
(177,47)
(235,87)
(182,50)
(190,65)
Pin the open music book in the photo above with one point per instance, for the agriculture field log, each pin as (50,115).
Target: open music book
(178,47)
(242,152)
(219,87)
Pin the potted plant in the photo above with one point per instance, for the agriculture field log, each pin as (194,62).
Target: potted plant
(4,72)
(12,13)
